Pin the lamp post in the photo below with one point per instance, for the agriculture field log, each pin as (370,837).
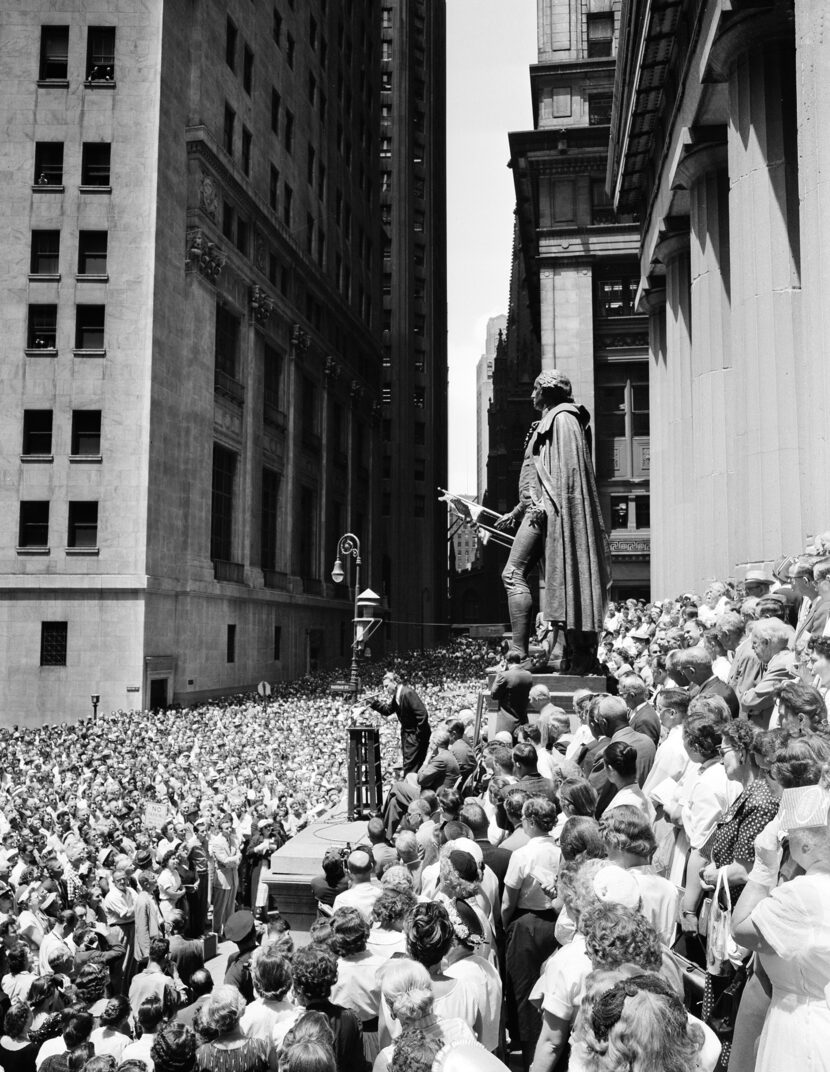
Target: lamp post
(95,699)
(349,544)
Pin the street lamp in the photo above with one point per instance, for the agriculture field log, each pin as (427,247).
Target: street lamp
(95,699)
(349,544)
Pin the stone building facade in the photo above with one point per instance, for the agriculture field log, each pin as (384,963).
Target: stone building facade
(719,140)
(191,346)
(580,260)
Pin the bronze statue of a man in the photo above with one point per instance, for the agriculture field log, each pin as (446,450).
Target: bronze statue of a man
(560,524)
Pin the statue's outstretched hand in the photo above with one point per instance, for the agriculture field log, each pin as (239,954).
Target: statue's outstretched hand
(506,522)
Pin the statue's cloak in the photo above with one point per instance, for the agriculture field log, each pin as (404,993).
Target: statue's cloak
(577,550)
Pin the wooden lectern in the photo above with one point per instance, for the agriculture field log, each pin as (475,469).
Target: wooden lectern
(365,790)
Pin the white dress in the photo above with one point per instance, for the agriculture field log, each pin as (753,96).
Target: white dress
(795,921)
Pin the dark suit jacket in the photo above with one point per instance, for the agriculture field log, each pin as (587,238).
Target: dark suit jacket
(715,687)
(442,769)
(511,689)
(495,858)
(411,712)
(642,745)
(647,721)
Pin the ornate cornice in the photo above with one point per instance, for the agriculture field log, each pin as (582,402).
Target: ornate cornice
(300,338)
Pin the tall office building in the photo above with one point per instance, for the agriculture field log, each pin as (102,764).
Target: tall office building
(581,265)
(496,325)
(414,378)
(190,344)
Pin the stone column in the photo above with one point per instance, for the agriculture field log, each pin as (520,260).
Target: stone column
(702,171)
(755,54)
(676,517)
(653,302)
(812,40)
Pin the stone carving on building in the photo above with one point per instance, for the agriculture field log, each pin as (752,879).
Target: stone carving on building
(332,369)
(261,304)
(208,195)
(227,420)
(356,390)
(300,338)
(203,255)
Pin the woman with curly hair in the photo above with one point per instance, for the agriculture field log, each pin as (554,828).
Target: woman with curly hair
(226,1048)
(634,1023)
(357,987)
(115,1032)
(174,1049)
(630,844)
(92,985)
(818,662)
(17,1051)
(388,913)
(45,998)
(407,993)
(315,973)
(271,976)
(429,938)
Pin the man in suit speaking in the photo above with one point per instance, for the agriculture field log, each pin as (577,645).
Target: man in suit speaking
(412,715)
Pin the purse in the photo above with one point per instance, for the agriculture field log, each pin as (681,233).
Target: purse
(725,1008)
(694,977)
(722,951)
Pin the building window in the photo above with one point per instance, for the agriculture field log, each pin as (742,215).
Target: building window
(226,341)
(386,18)
(54,53)
(227,129)
(386,504)
(309,232)
(288,131)
(33,530)
(600,34)
(42,327)
(92,252)
(287,198)
(277,642)
(230,44)
(268,531)
(275,111)
(95,164)
(227,220)
(272,377)
(45,252)
(273,188)
(53,637)
(599,110)
(230,645)
(419,505)
(386,52)
(615,297)
(309,404)
(89,327)
(312,33)
(420,433)
(82,530)
(289,50)
(37,432)
(247,70)
(49,163)
(622,421)
(246,150)
(418,398)
(308,533)
(100,54)
(385,148)
(321,181)
(221,501)
(312,89)
(602,211)
(86,433)
(272,268)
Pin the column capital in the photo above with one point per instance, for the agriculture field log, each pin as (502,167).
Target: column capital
(748,24)
(705,152)
(672,241)
(651,295)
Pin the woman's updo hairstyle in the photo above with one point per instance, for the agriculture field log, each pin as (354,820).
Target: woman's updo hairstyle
(406,986)
(626,829)
(429,933)
(174,1048)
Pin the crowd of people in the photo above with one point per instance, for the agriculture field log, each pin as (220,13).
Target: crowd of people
(642,884)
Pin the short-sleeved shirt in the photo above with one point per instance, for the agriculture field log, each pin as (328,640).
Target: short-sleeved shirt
(539,858)
(735,835)
(563,979)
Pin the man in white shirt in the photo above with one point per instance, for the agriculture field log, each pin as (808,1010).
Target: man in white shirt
(671,758)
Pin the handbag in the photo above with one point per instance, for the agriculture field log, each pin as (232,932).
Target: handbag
(722,951)
(694,977)
(724,1011)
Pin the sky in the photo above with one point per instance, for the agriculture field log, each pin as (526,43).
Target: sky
(490,47)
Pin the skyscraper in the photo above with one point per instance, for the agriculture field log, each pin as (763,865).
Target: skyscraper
(414,375)
(191,345)
(484,396)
